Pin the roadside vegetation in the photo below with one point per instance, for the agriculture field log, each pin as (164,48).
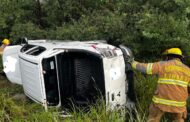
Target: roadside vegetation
(148,27)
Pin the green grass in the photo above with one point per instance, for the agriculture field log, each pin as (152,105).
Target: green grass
(144,89)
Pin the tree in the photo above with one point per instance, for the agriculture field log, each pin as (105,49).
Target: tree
(148,27)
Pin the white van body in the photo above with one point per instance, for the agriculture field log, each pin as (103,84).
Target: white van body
(54,73)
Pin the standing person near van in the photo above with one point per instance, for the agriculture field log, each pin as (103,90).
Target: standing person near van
(172,86)
(5,43)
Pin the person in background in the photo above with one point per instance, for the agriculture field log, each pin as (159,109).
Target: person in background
(5,43)
(172,85)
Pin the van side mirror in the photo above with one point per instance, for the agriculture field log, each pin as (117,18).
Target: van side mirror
(23,41)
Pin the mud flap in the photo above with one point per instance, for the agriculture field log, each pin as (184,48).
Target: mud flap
(131,97)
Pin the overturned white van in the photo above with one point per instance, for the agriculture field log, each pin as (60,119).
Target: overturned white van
(60,73)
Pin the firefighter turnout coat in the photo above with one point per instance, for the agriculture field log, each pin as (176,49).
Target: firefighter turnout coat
(173,82)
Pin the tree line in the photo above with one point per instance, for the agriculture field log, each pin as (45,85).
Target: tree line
(148,27)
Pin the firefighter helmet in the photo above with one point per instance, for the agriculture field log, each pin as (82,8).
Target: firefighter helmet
(173,51)
(6,41)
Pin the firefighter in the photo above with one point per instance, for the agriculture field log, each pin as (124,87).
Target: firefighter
(5,43)
(172,86)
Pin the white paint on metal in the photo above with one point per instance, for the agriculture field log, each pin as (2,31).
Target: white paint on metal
(115,73)
(31,78)
(115,84)
(11,64)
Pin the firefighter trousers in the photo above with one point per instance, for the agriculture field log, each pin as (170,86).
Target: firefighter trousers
(155,115)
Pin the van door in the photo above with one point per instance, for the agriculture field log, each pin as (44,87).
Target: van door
(50,81)
(114,71)
(33,84)
(11,63)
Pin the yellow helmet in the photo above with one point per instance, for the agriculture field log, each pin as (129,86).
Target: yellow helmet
(174,51)
(6,41)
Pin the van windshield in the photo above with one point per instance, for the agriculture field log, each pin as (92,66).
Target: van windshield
(32,49)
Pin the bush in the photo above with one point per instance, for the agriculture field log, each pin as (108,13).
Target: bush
(28,30)
(99,26)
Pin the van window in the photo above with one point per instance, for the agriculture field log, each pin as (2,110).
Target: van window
(26,47)
(50,81)
(36,51)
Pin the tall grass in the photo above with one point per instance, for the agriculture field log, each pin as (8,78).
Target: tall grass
(144,89)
